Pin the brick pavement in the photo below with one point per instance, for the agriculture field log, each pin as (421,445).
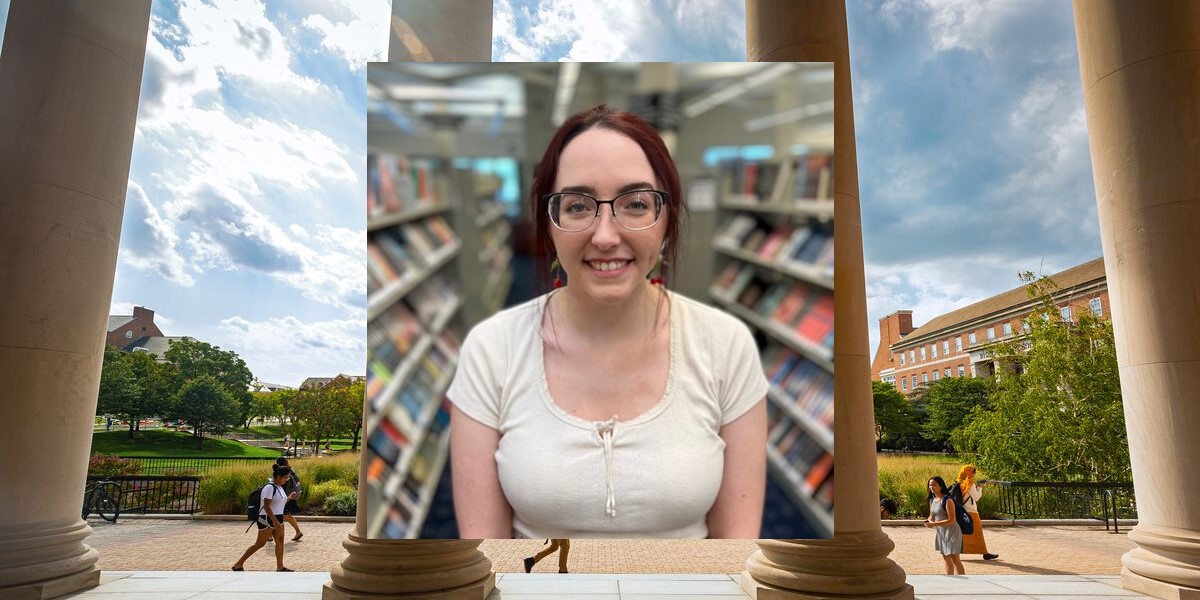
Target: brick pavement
(202,545)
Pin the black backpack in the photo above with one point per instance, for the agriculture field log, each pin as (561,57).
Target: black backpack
(961,516)
(254,501)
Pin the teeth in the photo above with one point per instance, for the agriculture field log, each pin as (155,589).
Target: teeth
(608,266)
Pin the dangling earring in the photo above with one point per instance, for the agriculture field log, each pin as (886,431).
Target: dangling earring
(556,268)
(656,277)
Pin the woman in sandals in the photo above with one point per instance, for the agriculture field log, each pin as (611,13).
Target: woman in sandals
(949,538)
(270,519)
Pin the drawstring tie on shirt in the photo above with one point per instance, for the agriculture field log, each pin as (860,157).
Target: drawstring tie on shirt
(605,431)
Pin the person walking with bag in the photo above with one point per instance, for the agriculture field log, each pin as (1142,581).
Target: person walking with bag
(563,547)
(292,489)
(969,491)
(949,538)
(270,519)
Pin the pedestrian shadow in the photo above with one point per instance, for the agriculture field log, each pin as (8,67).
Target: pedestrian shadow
(1019,568)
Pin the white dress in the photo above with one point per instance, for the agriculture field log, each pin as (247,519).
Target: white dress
(656,475)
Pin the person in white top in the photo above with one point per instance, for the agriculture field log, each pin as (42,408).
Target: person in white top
(270,518)
(608,407)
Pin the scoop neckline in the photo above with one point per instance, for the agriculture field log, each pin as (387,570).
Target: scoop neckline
(580,422)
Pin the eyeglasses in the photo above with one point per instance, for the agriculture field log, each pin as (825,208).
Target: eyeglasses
(635,210)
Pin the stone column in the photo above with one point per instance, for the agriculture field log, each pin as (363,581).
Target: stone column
(446,30)
(69,83)
(440,31)
(855,563)
(1140,67)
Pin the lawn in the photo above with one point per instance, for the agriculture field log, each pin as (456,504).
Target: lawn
(160,442)
(275,432)
(902,478)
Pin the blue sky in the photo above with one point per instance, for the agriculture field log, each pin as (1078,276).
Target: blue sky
(245,225)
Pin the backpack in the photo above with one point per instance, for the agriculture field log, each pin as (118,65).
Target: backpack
(254,501)
(961,516)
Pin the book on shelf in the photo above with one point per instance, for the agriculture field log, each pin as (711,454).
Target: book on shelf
(778,182)
(397,184)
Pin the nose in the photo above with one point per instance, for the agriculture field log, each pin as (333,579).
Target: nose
(606,235)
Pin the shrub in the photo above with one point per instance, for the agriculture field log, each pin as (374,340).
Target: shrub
(330,468)
(343,504)
(111,464)
(315,495)
(223,491)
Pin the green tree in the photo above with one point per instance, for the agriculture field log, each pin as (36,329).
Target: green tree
(193,358)
(317,413)
(351,396)
(896,419)
(1056,414)
(949,403)
(120,395)
(263,405)
(205,405)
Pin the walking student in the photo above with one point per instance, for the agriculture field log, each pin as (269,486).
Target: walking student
(970,491)
(563,547)
(270,519)
(948,539)
(292,488)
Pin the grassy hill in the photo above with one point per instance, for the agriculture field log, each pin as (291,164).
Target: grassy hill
(170,443)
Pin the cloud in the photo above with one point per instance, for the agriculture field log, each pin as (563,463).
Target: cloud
(149,241)
(231,232)
(287,350)
(618,30)
(357,32)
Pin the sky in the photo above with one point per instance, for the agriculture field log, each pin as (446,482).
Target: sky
(244,223)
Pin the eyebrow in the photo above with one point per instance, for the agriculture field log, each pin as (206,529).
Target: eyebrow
(591,191)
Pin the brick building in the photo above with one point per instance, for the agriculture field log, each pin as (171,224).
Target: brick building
(123,330)
(954,344)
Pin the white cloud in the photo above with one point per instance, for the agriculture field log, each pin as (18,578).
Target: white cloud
(148,240)
(287,350)
(358,35)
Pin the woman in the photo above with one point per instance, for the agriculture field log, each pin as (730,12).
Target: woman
(270,519)
(292,508)
(948,539)
(609,407)
(970,491)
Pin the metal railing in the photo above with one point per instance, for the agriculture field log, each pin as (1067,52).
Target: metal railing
(155,494)
(1078,500)
(175,465)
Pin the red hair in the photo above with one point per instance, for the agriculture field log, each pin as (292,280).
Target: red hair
(632,127)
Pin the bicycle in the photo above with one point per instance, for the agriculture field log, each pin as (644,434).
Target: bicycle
(103,498)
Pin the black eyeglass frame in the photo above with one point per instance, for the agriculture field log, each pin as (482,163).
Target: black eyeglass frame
(658,211)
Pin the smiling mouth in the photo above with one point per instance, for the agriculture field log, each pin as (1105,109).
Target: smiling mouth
(607,265)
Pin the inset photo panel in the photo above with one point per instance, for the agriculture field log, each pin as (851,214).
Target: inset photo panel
(600,300)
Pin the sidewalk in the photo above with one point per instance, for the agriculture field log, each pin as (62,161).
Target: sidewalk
(199,545)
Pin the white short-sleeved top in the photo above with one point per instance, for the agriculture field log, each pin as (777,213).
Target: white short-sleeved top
(272,497)
(660,472)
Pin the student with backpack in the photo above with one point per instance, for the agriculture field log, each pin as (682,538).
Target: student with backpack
(265,506)
(967,491)
(945,516)
(292,488)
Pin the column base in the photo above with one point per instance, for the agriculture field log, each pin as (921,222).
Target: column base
(762,591)
(53,588)
(473,591)
(1159,589)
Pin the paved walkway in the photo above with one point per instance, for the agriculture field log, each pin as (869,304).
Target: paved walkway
(225,585)
(203,545)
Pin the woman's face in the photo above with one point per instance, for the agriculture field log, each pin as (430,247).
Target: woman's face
(933,486)
(606,262)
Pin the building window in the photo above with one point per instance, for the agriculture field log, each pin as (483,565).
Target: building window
(1007,329)
(935,375)
(1025,325)
(904,383)
(947,373)
(1094,304)
(958,344)
(946,347)
(922,352)
(129,334)
(1065,312)
(961,371)
(902,359)
(912,356)
(991,333)
(924,377)
(971,338)
(933,349)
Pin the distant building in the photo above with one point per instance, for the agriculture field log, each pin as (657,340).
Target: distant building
(954,344)
(123,330)
(262,386)
(156,345)
(319,382)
